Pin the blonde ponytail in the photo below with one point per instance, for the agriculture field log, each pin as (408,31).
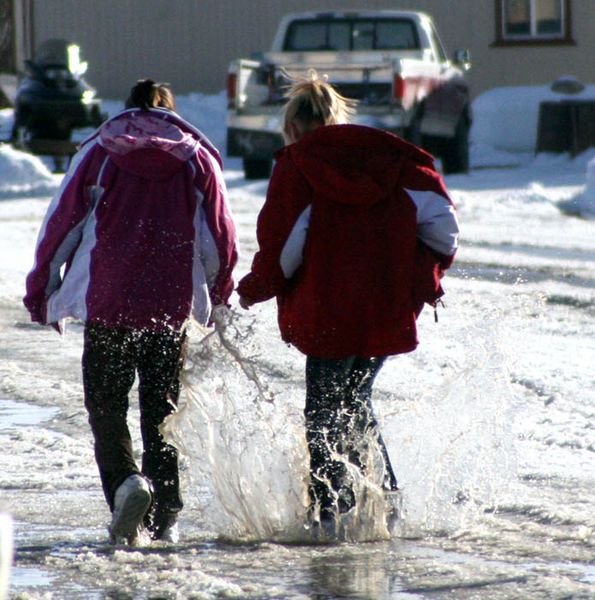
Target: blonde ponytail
(313,101)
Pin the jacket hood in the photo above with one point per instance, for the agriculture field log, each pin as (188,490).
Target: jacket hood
(150,144)
(353,164)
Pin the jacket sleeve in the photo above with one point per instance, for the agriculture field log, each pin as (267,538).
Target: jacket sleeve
(437,224)
(437,233)
(219,249)
(280,232)
(59,236)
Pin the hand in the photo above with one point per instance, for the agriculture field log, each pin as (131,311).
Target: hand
(245,303)
(220,316)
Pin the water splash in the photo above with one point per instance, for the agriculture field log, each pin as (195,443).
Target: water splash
(462,452)
(247,452)
(243,437)
(245,446)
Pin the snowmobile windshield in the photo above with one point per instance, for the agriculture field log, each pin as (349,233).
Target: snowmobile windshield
(59,57)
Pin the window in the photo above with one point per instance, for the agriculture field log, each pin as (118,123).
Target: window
(400,34)
(351,34)
(363,35)
(533,22)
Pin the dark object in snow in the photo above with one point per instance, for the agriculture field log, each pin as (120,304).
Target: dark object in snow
(52,100)
(567,85)
(566,126)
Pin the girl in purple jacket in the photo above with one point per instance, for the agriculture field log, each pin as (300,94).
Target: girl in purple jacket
(138,240)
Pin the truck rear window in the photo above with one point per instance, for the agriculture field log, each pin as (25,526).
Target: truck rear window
(351,34)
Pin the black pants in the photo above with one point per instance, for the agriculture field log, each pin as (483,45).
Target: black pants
(111,357)
(339,420)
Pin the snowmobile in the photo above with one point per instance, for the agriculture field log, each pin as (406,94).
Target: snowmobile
(52,100)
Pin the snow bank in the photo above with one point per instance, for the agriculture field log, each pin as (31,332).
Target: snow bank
(587,200)
(24,174)
(208,113)
(506,118)
(583,205)
(6,118)
(483,155)
(503,134)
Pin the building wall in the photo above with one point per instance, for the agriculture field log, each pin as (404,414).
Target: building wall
(495,66)
(189,43)
(7,45)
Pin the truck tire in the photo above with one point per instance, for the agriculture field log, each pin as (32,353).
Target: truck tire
(413,133)
(455,151)
(257,168)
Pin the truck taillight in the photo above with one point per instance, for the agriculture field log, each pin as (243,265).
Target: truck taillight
(399,86)
(232,84)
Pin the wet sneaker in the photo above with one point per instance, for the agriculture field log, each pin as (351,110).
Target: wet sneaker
(131,502)
(162,527)
(324,530)
(331,528)
(170,534)
(140,538)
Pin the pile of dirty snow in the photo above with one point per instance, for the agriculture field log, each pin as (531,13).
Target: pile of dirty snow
(22,173)
(583,205)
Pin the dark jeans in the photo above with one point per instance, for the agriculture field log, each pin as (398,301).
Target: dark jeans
(339,420)
(111,358)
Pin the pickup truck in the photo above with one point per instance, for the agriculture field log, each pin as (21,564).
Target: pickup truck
(392,62)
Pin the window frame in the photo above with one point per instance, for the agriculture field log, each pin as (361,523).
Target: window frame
(564,39)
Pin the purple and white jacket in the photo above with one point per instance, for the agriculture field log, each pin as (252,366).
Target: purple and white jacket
(140,234)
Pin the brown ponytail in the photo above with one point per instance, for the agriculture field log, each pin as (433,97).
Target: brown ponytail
(146,94)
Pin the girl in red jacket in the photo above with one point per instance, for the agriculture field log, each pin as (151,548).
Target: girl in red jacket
(355,234)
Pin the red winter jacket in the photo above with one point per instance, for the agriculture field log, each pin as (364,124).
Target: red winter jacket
(355,233)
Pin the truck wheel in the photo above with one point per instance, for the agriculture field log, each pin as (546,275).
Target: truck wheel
(455,153)
(413,133)
(257,168)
